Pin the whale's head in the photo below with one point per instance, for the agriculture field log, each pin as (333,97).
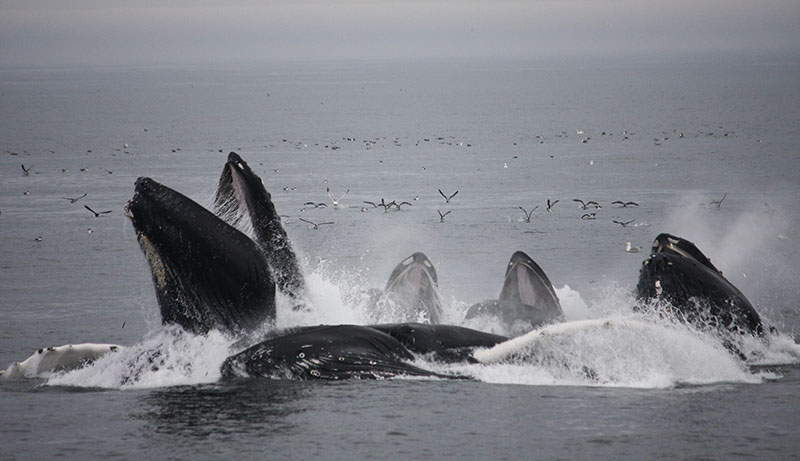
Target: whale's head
(413,285)
(206,273)
(527,283)
(241,193)
(679,274)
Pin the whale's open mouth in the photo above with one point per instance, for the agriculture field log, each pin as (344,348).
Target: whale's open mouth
(413,283)
(527,283)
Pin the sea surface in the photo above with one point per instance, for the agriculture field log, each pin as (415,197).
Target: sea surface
(672,134)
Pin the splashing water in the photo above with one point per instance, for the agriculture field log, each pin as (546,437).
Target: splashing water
(614,351)
(168,357)
(605,344)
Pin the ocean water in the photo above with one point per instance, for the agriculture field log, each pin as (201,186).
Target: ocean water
(672,134)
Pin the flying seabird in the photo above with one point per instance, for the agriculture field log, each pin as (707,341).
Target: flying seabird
(26,171)
(73,200)
(96,213)
(624,204)
(586,205)
(624,224)
(316,205)
(446,198)
(550,204)
(718,203)
(313,224)
(398,205)
(334,199)
(589,216)
(528,215)
(441,216)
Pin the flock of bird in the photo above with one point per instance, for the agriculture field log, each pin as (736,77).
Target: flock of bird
(336,202)
(585,205)
(26,171)
(590,206)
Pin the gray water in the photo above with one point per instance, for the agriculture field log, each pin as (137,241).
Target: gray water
(671,134)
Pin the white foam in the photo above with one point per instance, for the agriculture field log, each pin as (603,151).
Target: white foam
(168,357)
(613,351)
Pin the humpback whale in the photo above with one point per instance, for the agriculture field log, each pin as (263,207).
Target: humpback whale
(206,273)
(683,280)
(527,299)
(241,193)
(58,358)
(411,290)
(338,352)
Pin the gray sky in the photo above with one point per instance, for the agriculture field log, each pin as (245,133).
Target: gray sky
(45,32)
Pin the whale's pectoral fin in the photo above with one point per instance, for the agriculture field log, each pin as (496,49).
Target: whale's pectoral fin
(326,352)
(241,193)
(206,273)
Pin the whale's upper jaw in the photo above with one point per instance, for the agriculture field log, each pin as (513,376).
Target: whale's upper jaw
(666,243)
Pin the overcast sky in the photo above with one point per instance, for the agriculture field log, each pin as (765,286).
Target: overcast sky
(45,32)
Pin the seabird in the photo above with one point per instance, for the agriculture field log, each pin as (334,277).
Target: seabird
(550,205)
(383,204)
(398,205)
(316,205)
(624,224)
(334,199)
(528,215)
(26,171)
(313,224)
(718,203)
(446,198)
(73,200)
(589,216)
(624,204)
(631,249)
(586,205)
(96,213)
(441,216)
